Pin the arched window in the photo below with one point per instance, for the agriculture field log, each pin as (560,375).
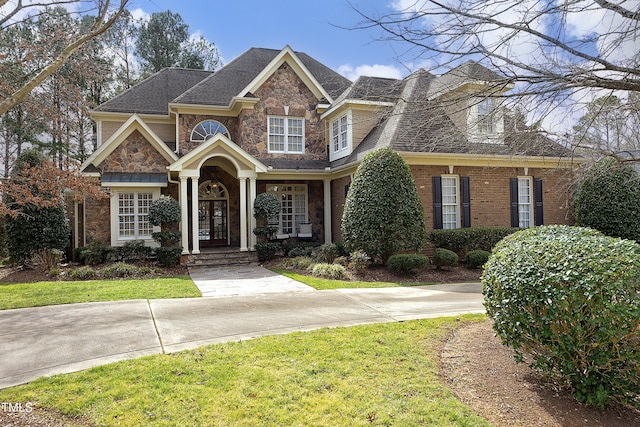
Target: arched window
(206,129)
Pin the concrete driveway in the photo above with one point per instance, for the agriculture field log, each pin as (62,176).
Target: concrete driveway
(43,341)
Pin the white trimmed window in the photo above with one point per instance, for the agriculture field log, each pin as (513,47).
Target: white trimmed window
(130,215)
(286,135)
(294,211)
(206,129)
(525,205)
(450,202)
(486,116)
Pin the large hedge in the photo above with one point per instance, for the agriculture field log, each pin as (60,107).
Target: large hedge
(608,200)
(568,298)
(382,213)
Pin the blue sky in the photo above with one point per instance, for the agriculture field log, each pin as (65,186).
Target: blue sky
(307,26)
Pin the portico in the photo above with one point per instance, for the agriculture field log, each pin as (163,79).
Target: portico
(221,155)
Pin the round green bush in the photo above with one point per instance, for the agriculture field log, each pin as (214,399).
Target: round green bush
(476,258)
(608,199)
(266,206)
(165,210)
(568,298)
(407,263)
(445,258)
(382,213)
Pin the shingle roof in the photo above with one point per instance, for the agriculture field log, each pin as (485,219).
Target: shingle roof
(228,82)
(418,124)
(375,89)
(153,95)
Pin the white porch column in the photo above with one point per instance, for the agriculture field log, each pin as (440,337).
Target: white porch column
(243,214)
(327,210)
(184,209)
(253,239)
(194,216)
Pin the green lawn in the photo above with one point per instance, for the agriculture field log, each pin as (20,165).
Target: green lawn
(38,294)
(372,375)
(324,284)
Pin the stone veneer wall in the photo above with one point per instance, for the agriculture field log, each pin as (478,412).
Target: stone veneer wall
(189,121)
(283,88)
(135,154)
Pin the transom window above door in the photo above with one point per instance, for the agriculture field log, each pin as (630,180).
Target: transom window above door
(206,129)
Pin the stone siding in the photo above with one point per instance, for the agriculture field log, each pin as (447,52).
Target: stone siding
(135,154)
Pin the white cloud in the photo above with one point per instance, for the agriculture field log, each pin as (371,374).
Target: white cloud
(375,70)
(140,15)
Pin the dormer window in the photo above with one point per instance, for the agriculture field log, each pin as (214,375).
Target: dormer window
(340,136)
(486,116)
(286,135)
(206,129)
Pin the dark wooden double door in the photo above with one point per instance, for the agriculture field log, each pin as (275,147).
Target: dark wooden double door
(213,222)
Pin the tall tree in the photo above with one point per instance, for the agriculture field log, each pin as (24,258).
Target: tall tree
(160,41)
(121,39)
(164,42)
(106,14)
(610,125)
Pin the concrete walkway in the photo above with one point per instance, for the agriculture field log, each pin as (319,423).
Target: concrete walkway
(44,341)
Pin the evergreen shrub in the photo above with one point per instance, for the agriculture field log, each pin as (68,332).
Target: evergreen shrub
(567,297)
(476,258)
(407,263)
(445,258)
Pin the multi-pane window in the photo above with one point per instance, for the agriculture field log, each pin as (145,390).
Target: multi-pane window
(133,215)
(339,133)
(486,116)
(450,202)
(203,130)
(286,135)
(293,199)
(524,202)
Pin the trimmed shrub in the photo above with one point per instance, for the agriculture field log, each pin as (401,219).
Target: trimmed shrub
(165,210)
(265,207)
(476,258)
(329,271)
(267,250)
(568,298)
(382,213)
(462,240)
(407,263)
(297,252)
(608,200)
(82,273)
(445,258)
(133,250)
(95,253)
(119,270)
(168,256)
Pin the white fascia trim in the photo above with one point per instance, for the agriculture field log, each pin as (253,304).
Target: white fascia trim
(133,123)
(354,104)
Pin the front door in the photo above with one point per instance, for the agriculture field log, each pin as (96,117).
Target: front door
(213,222)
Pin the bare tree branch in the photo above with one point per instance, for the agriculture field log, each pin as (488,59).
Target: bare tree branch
(102,23)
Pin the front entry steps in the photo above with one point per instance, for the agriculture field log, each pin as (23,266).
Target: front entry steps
(223,257)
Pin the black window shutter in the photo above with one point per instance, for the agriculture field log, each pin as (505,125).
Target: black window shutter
(466,202)
(513,192)
(537,190)
(437,202)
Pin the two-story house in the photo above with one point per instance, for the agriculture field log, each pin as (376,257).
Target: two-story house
(279,121)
